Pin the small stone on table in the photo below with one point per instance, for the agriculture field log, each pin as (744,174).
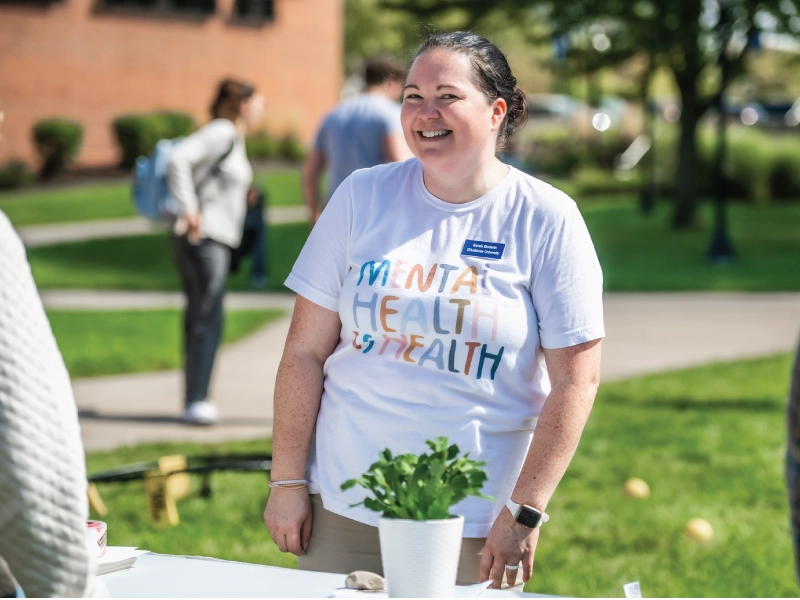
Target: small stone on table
(364,580)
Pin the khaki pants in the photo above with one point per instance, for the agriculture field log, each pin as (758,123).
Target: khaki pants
(342,545)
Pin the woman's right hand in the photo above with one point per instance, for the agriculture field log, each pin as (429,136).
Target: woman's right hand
(288,519)
(193,227)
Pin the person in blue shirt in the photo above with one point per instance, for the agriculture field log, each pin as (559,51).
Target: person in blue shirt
(361,132)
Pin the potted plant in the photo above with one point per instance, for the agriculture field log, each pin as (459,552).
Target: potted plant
(420,538)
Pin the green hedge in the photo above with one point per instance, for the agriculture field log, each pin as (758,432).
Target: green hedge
(760,167)
(58,142)
(291,148)
(137,135)
(13,174)
(561,151)
(261,146)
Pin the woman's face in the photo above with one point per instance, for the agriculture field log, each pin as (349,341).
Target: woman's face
(251,109)
(448,122)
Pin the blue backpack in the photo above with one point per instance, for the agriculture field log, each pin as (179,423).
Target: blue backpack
(151,193)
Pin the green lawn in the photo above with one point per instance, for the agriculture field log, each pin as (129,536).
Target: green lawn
(145,263)
(282,187)
(228,525)
(709,441)
(644,254)
(68,203)
(637,253)
(113,200)
(113,342)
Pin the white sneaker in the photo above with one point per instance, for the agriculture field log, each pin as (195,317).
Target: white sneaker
(201,412)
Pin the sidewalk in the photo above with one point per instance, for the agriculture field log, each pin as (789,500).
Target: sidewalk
(645,333)
(47,235)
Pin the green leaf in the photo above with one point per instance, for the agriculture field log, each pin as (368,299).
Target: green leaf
(425,486)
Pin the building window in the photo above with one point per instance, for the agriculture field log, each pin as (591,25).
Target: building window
(196,7)
(257,11)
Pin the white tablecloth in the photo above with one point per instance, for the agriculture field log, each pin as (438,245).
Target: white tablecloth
(160,575)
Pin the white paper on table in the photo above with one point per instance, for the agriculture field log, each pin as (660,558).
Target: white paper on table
(117,558)
(462,591)
(117,553)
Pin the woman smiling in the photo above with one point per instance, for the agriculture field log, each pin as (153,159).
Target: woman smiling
(449,294)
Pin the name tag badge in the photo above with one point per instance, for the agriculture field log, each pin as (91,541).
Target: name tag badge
(486,250)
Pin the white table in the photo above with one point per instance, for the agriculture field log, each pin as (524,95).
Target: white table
(160,575)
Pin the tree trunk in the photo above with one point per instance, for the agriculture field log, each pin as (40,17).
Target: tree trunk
(686,185)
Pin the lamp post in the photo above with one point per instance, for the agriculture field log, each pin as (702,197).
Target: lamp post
(720,250)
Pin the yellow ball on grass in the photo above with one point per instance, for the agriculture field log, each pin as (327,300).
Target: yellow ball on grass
(699,530)
(637,488)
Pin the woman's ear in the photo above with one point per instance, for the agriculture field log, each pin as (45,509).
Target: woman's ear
(499,110)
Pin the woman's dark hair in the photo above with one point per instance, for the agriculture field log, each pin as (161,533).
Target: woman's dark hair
(491,74)
(230,94)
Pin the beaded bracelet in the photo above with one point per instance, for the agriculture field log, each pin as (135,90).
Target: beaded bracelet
(289,484)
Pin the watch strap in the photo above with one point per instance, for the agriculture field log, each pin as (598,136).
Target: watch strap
(514,508)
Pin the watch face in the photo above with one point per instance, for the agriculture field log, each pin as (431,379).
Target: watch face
(528,517)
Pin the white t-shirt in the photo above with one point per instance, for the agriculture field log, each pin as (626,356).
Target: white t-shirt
(445,309)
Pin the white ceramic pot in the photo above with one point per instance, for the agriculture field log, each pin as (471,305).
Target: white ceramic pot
(420,558)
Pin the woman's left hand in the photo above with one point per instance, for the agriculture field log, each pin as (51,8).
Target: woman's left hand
(508,544)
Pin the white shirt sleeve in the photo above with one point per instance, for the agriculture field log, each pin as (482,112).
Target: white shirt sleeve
(567,284)
(205,146)
(319,272)
(43,503)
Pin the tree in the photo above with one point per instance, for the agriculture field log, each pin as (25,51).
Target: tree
(370,30)
(681,35)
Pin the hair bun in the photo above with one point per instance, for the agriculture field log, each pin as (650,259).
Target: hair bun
(517,111)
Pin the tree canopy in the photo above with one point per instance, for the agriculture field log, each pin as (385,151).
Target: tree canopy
(687,37)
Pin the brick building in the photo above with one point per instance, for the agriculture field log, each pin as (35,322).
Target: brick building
(92,60)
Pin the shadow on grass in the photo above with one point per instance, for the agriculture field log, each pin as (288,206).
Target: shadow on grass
(91,415)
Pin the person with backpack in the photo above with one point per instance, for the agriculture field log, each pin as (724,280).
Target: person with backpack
(208,176)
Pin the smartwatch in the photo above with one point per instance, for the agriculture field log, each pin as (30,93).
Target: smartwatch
(527,516)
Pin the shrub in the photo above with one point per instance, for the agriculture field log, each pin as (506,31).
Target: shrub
(593,181)
(138,135)
(555,152)
(604,148)
(291,148)
(759,167)
(261,146)
(784,177)
(58,142)
(560,151)
(749,165)
(13,174)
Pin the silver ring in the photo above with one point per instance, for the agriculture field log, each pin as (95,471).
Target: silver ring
(512,567)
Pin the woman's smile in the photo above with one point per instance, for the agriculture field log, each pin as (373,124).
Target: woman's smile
(435,135)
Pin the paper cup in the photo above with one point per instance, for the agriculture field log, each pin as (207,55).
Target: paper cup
(96,537)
